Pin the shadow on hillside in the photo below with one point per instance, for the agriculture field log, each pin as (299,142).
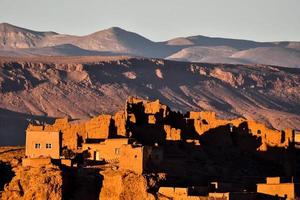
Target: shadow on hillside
(6,174)
(13,126)
(187,88)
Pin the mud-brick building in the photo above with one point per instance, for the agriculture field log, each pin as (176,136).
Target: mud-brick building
(43,144)
(107,150)
(124,152)
(281,187)
(139,158)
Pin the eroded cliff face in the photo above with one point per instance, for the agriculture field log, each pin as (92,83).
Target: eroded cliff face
(79,90)
(122,185)
(34,183)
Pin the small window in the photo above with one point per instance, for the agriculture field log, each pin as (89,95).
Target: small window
(117,151)
(37,145)
(48,146)
(135,156)
(258,132)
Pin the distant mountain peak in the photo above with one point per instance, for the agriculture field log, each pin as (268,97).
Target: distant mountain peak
(5,24)
(112,30)
(116,28)
(7,27)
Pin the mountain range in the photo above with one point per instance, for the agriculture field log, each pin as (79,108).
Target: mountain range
(17,41)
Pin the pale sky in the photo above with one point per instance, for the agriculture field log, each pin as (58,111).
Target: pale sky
(159,20)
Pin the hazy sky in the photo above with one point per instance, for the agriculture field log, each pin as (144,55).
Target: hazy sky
(158,20)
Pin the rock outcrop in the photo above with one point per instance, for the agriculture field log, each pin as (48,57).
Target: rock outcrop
(124,185)
(34,183)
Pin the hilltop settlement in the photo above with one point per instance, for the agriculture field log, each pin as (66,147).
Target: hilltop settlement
(196,155)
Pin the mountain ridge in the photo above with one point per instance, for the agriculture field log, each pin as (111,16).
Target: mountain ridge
(119,41)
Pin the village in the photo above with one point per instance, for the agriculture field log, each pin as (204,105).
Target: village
(201,155)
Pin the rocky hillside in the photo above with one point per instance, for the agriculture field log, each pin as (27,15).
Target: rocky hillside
(17,41)
(44,88)
(16,37)
(124,186)
(52,182)
(34,183)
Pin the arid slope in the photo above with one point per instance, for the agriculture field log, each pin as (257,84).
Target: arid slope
(59,88)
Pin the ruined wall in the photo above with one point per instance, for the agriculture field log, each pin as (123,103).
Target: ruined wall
(69,131)
(158,114)
(132,158)
(152,122)
(219,195)
(120,123)
(205,121)
(98,127)
(172,133)
(281,189)
(271,138)
(153,111)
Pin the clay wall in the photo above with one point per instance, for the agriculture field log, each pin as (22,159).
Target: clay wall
(70,135)
(151,119)
(172,133)
(272,138)
(204,121)
(219,195)
(109,150)
(43,144)
(132,158)
(210,116)
(297,137)
(98,127)
(69,131)
(66,162)
(177,193)
(154,111)
(145,116)
(120,123)
(36,162)
(282,189)
(273,180)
